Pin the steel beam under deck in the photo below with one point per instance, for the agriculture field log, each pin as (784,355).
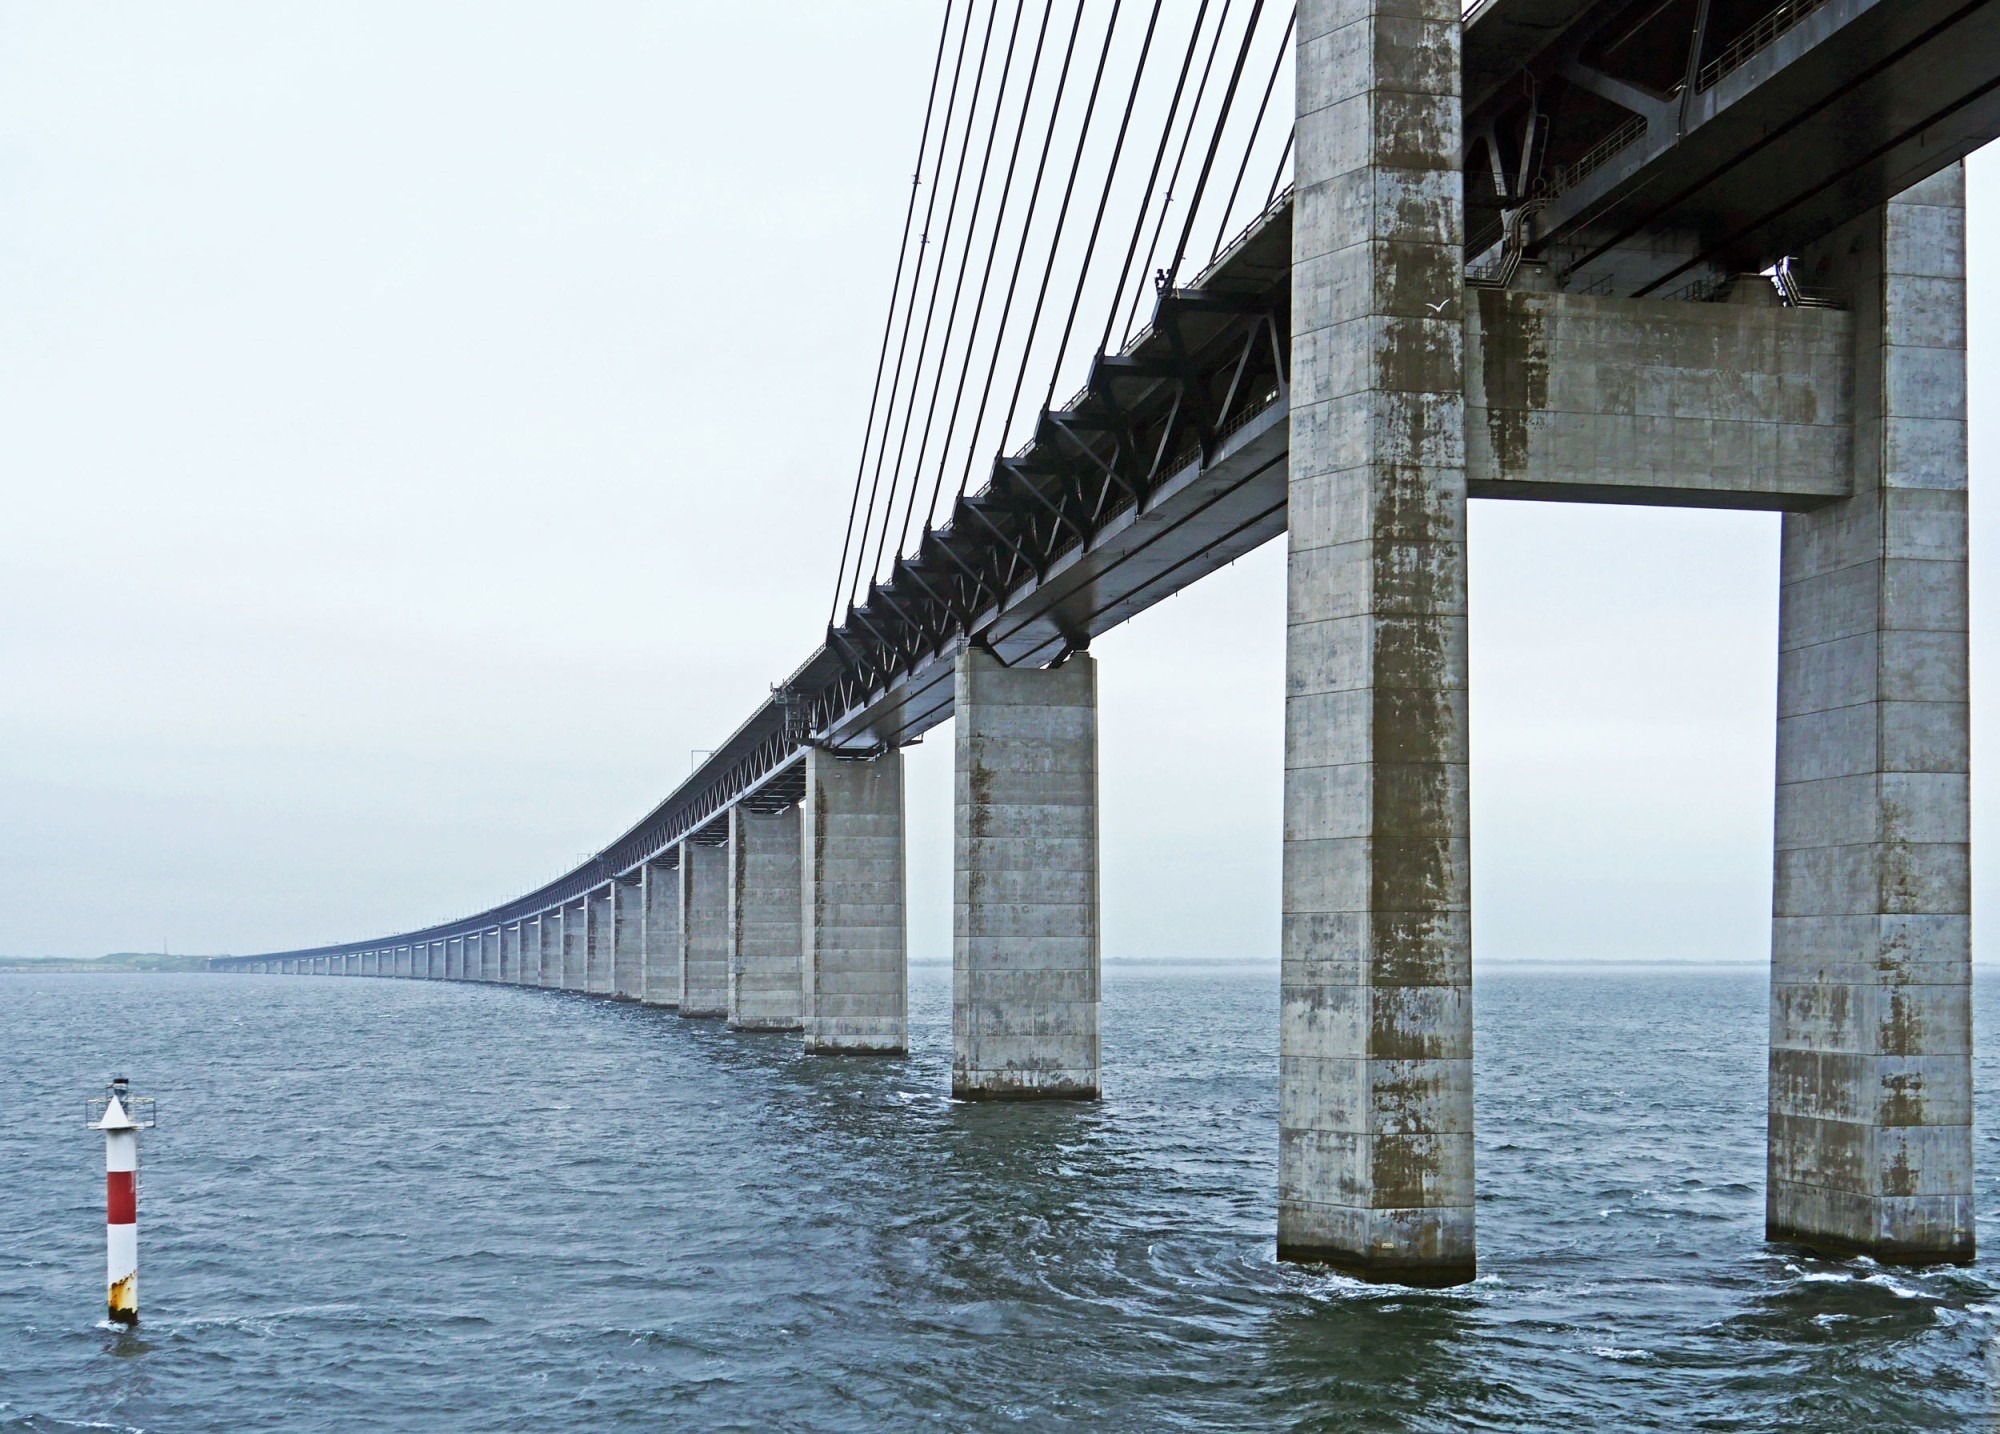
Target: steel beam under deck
(1743,129)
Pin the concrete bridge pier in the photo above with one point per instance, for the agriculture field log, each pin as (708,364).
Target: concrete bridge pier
(1871,1029)
(549,968)
(510,953)
(628,938)
(597,933)
(704,936)
(454,958)
(856,978)
(576,945)
(433,960)
(1375,1037)
(660,974)
(1025,938)
(764,920)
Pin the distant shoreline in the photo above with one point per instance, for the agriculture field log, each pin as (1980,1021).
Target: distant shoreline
(121,962)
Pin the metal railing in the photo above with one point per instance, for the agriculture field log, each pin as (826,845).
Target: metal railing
(1599,154)
(1756,38)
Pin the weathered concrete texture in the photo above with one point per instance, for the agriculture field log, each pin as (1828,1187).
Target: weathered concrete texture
(454,958)
(1025,943)
(660,977)
(552,948)
(764,920)
(510,953)
(855,963)
(1375,1033)
(597,953)
(1608,400)
(576,945)
(628,936)
(1871,1030)
(406,961)
(434,961)
(704,958)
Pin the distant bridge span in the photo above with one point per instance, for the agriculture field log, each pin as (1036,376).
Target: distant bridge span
(1519,259)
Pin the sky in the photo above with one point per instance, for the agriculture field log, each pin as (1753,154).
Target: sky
(423,427)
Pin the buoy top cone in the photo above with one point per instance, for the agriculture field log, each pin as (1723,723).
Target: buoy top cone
(115,1117)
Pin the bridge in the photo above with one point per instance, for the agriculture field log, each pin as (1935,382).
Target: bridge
(1702,253)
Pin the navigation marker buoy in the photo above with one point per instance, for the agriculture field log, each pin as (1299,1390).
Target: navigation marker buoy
(121,1116)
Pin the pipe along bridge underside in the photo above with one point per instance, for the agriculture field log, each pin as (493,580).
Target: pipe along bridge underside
(1704,253)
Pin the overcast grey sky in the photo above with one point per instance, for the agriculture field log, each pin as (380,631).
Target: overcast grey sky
(424,424)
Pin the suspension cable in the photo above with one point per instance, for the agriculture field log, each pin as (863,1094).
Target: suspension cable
(889,321)
(1152,177)
(964,271)
(1215,141)
(1103,202)
(937,285)
(1062,215)
(1250,145)
(1279,173)
(1021,251)
(916,278)
(1174,178)
(986,274)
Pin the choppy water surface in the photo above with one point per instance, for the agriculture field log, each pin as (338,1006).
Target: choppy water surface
(403,1205)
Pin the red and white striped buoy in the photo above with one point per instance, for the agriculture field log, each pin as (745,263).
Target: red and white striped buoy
(121,1129)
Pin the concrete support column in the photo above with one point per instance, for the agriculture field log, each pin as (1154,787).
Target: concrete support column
(856,988)
(1025,943)
(454,958)
(489,954)
(510,953)
(628,938)
(1871,1023)
(434,960)
(660,978)
(576,945)
(405,961)
(597,941)
(764,920)
(552,948)
(1375,1042)
(704,936)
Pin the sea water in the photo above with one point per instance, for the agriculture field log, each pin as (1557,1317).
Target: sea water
(381,1204)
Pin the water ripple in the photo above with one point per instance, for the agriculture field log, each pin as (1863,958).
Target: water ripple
(604,1217)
